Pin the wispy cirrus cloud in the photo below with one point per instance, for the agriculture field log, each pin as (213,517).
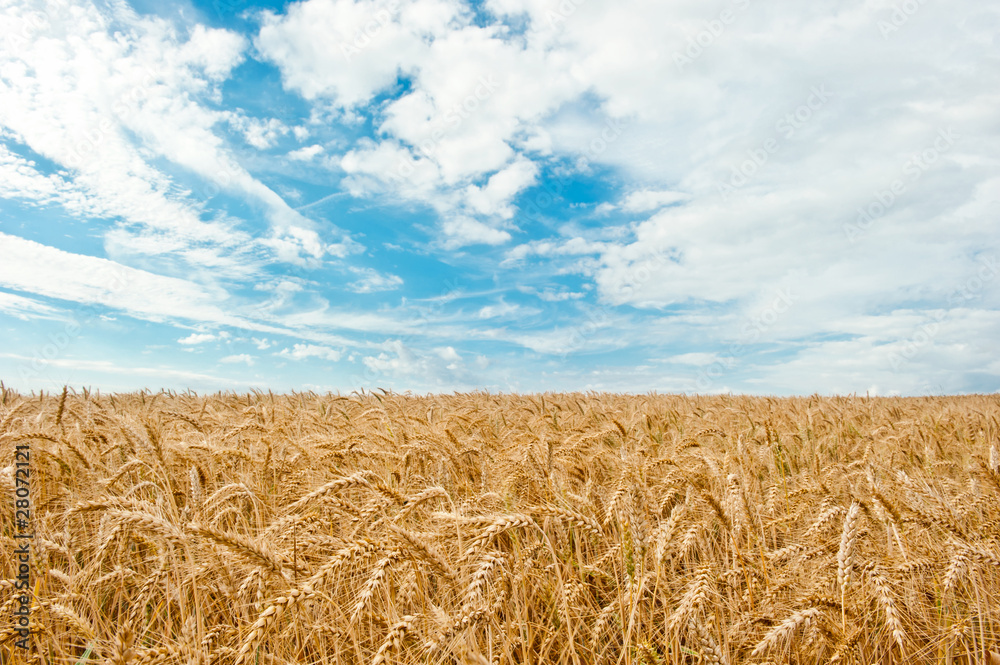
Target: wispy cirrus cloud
(104,95)
(304,351)
(370,281)
(26,308)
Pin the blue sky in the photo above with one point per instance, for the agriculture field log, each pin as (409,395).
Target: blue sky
(513,195)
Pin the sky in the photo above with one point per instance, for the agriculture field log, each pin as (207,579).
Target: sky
(508,195)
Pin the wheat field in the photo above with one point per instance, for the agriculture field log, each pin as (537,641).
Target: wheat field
(381,528)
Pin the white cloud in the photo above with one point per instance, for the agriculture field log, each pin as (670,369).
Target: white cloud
(696,358)
(262,343)
(304,351)
(214,52)
(462,231)
(25,308)
(108,368)
(338,48)
(19,178)
(197,338)
(960,356)
(105,93)
(452,357)
(449,353)
(736,205)
(93,282)
(306,153)
(475,93)
(261,134)
(403,363)
(374,168)
(371,281)
(244,358)
(551,295)
(493,199)
(28,266)
(436,369)
(160,224)
(675,128)
(558,341)
(576,246)
(501,309)
(646,200)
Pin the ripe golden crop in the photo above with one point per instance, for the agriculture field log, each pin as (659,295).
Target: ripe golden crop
(503,529)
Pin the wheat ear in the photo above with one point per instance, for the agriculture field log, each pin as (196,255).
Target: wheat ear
(394,640)
(693,599)
(783,632)
(845,555)
(885,599)
(266,619)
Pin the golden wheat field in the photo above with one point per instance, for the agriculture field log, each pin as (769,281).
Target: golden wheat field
(380,528)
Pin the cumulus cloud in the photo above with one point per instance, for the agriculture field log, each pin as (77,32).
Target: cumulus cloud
(424,369)
(342,49)
(472,88)
(449,353)
(261,134)
(493,198)
(462,231)
(306,153)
